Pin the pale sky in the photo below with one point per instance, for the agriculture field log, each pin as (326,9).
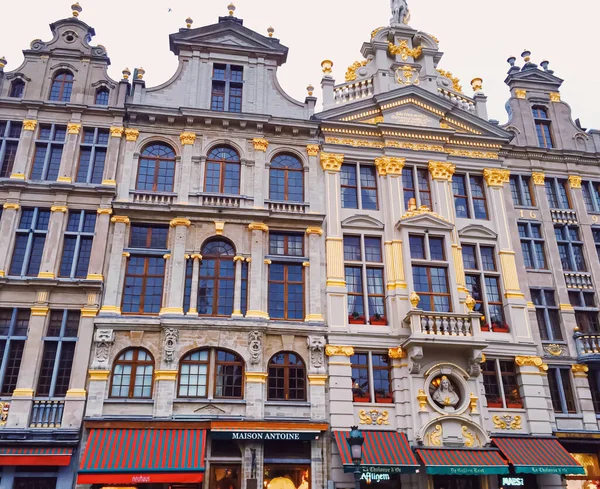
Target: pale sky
(477,36)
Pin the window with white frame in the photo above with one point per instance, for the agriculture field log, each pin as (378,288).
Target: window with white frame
(415,185)
(521,190)
(532,245)
(548,315)
(430,272)
(561,390)
(570,248)
(371,377)
(483,281)
(558,195)
(469,196)
(501,384)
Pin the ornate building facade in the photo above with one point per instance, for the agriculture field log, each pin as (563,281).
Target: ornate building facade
(222,281)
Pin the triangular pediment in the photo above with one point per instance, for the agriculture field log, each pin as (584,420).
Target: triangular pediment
(536,76)
(424,219)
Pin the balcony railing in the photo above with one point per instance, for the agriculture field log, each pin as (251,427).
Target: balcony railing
(563,216)
(579,280)
(441,324)
(349,92)
(218,200)
(587,344)
(287,207)
(147,197)
(46,414)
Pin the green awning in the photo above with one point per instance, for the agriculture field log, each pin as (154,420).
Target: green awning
(467,461)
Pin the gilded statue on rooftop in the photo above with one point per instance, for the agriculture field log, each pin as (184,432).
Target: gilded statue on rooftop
(400,12)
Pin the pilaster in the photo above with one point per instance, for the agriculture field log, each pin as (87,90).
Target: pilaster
(176,286)
(237,294)
(340,386)
(584,394)
(532,372)
(128,170)
(164,392)
(116,266)
(112,156)
(315,308)
(260,174)
(98,253)
(257,308)
(197,258)
(66,170)
(50,260)
(8,225)
(255,394)
(314,193)
(187,142)
(24,150)
(97,392)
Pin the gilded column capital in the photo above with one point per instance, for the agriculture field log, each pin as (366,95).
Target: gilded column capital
(538,178)
(496,177)
(396,353)
(389,165)
(521,93)
(314,230)
(105,210)
(180,221)
(258,226)
(554,97)
(120,219)
(313,149)
(528,361)
(268,262)
(441,170)
(575,181)
(29,125)
(187,138)
(580,370)
(344,351)
(11,205)
(73,128)
(131,134)
(260,144)
(39,310)
(238,258)
(197,256)
(331,161)
(59,208)
(116,132)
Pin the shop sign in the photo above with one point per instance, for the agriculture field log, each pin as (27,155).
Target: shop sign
(512,482)
(265,435)
(377,473)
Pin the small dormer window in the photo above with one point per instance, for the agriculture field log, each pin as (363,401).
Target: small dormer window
(17,89)
(102,96)
(542,127)
(62,85)
(227,83)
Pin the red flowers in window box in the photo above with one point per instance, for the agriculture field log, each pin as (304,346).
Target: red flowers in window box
(362,398)
(356,318)
(384,398)
(378,320)
(496,327)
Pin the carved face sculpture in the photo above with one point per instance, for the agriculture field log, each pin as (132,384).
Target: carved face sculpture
(104,335)
(317,343)
(445,395)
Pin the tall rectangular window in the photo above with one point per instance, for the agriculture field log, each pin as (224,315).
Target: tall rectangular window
(594,380)
(286,276)
(92,155)
(145,272)
(542,127)
(532,245)
(415,185)
(548,315)
(558,195)
(359,187)
(48,152)
(371,378)
(591,196)
(227,88)
(570,248)
(596,235)
(483,281)
(561,390)
(14,324)
(59,352)
(469,196)
(10,132)
(430,272)
(77,247)
(364,266)
(30,241)
(501,384)
(520,188)
(586,311)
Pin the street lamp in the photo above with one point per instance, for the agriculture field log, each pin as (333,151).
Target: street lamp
(356,440)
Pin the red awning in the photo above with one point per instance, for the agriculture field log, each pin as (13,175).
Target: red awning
(538,456)
(121,456)
(44,456)
(467,461)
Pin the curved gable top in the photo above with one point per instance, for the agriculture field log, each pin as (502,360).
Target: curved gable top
(477,231)
(365,222)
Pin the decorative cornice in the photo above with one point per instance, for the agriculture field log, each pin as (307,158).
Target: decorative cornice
(59,208)
(187,138)
(575,181)
(258,226)
(389,165)
(11,205)
(538,178)
(314,230)
(120,219)
(441,170)
(344,351)
(396,353)
(313,149)
(73,128)
(131,134)
(331,162)
(260,144)
(117,132)
(29,125)
(530,361)
(180,221)
(495,177)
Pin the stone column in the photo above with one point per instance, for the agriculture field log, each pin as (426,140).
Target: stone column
(237,294)
(317,377)
(76,395)
(261,177)
(337,304)
(112,156)
(25,150)
(314,192)
(256,309)
(67,161)
(56,226)
(164,394)
(176,286)
(187,141)
(116,266)
(584,394)
(315,307)
(98,253)
(255,394)
(8,225)
(99,373)
(22,398)
(532,372)
(197,258)
(341,406)
(131,137)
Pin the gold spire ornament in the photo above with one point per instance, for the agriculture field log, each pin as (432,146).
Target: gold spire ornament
(126,73)
(327,65)
(188,22)
(310,89)
(2,62)
(270,31)
(76,9)
(477,84)
(231,8)
(140,73)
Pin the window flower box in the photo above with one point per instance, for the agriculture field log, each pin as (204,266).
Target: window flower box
(384,398)
(361,398)
(378,320)
(356,318)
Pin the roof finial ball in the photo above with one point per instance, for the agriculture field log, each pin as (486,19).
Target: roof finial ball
(188,22)
(140,73)
(231,8)
(2,62)
(327,65)
(310,89)
(126,73)
(76,8)
(526,55)
(270,31)
(477,85)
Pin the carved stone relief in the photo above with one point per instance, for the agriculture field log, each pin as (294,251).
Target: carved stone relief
(316,346)
(103,340)
(171,337)
(255,346)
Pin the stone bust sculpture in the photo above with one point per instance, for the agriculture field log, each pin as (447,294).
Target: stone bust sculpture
(445,395)
(399,11)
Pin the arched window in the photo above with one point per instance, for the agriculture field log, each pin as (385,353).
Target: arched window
(226,369)
(223,171)
(157,168)
(133,374)
(17,88)
(286,179)
(102,96)
(287,378)
(217,279)
(62,85)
